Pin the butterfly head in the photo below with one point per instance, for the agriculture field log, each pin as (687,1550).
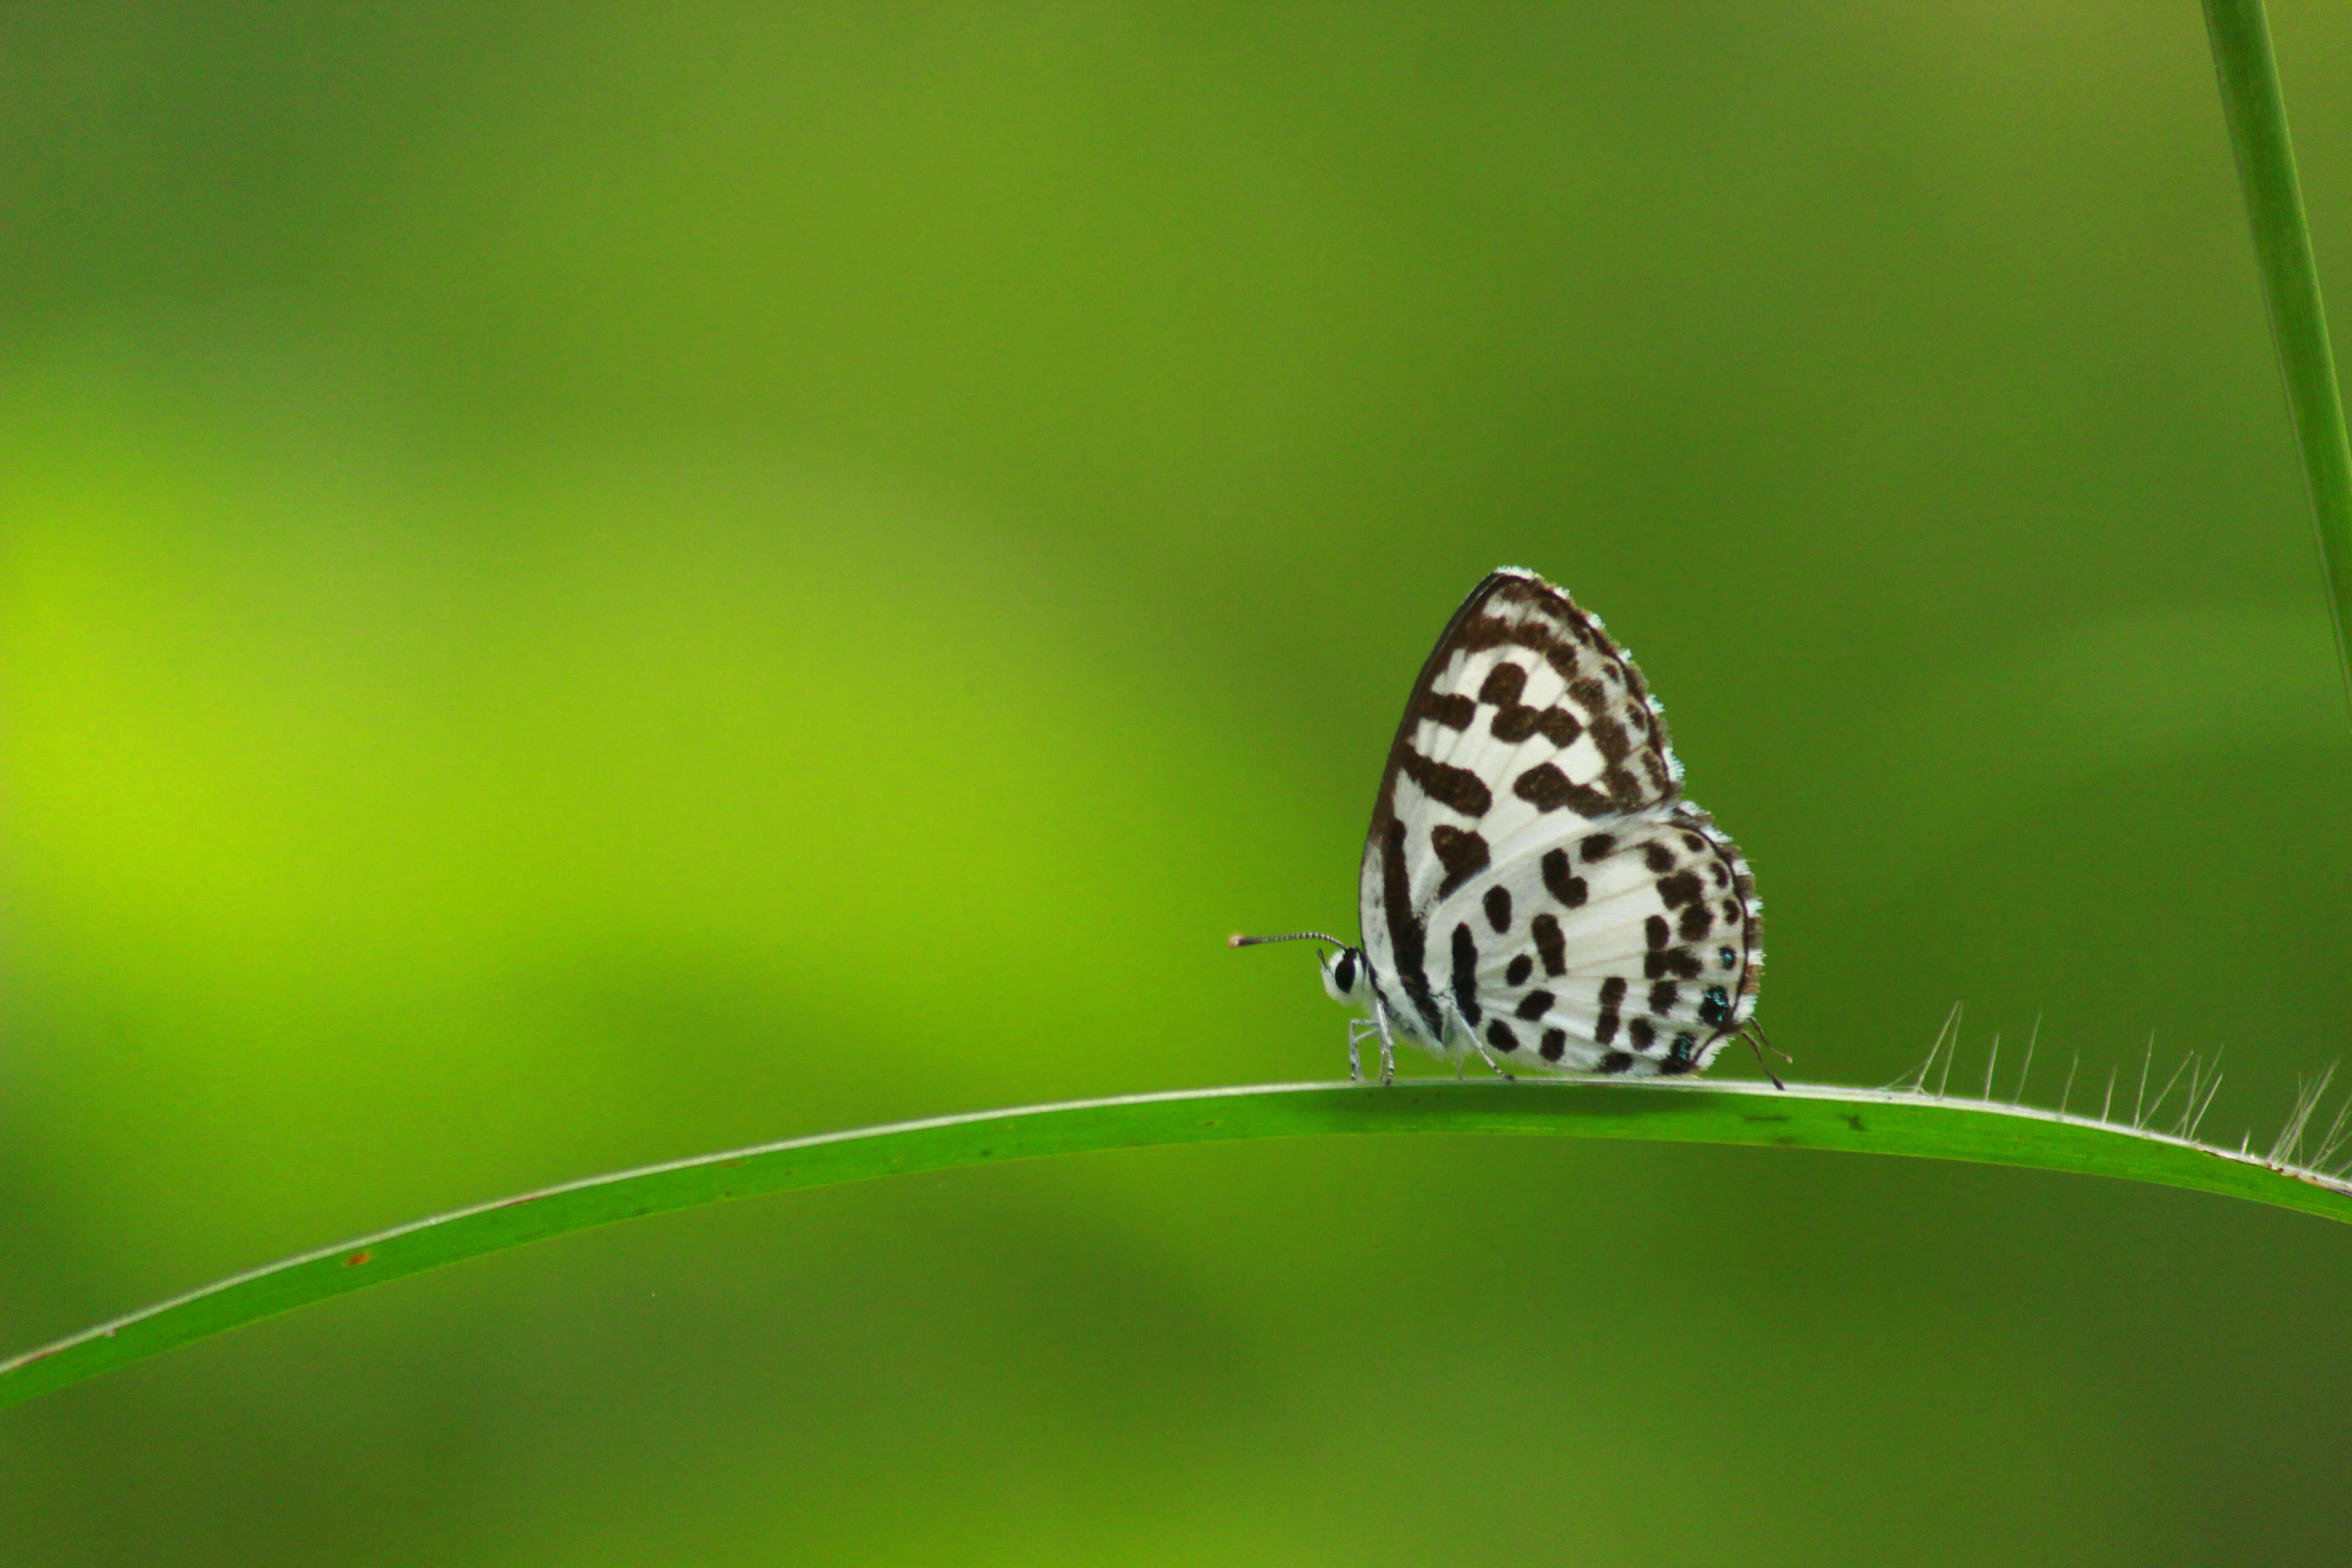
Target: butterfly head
(1343,976)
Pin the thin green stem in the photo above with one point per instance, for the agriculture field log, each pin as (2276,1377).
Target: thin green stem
(2256,112)
(1883,1122)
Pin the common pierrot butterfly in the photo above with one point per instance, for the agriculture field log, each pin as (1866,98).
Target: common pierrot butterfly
(1535,889)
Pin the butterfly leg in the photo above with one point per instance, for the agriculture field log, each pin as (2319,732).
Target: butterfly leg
(1388,1042)
(1357,1029)
(1757,1043)
(1488,1058)
(1476,1044)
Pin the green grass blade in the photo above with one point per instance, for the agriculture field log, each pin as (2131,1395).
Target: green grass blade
(1882,1121)
(2256,112)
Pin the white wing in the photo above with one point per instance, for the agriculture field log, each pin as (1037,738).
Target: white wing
(1531,875)
(1625,949)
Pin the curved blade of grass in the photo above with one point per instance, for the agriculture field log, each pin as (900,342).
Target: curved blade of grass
(1882,1121)
(2256,111)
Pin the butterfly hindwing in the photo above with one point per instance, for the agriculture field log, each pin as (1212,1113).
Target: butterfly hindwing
(1627,949)
(1528,844)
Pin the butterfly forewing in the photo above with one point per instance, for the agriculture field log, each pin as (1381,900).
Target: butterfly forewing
(1532,880)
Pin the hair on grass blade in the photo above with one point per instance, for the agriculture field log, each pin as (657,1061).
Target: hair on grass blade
(2308,1094)
(1917,1081)
(2157,1103)
(2212,1085)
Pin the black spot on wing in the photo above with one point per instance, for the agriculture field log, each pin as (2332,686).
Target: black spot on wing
(1546,788)
(1451,708)
(1462,852)
(1612,996)
(1504,685)
(1676,960)
(1533,1005)
(1512,724)
(1656,931)
(1457,789)
(1615,744)
(1715,1007)
(1610,738)
(1466,974)
(1616,1062)
(1557,725)
(1694,924)
(1549,944)
(1682,887)
(1407,937)
(1555,1044)
(1663,996)
(1682,1056)
(1500,1036)
(1568,888)
(1641,1032)
(1499,908)
(1657,857)
(1599,847)
(1522,969)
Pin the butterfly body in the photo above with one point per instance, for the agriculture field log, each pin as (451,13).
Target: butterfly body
(1534,890)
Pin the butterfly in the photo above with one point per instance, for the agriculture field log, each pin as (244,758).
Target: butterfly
(1535,890)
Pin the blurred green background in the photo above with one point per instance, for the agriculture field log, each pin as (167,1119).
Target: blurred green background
(586,583)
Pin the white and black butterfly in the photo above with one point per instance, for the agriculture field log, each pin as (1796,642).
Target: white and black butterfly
(1535,889)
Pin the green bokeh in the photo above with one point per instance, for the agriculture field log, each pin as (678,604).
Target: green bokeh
(589,584)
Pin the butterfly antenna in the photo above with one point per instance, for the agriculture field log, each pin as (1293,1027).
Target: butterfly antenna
(1238,939)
